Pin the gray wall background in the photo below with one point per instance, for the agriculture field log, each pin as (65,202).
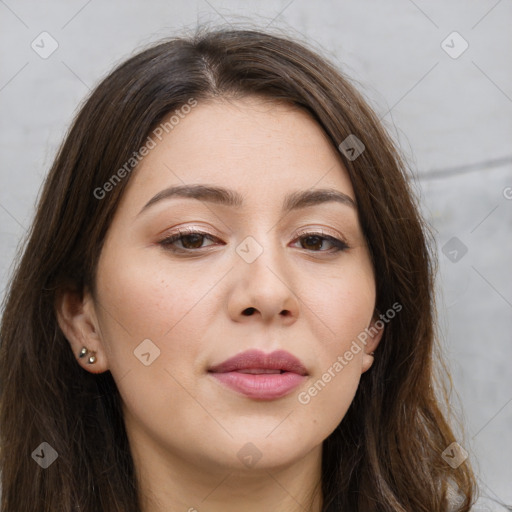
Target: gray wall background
(449,110)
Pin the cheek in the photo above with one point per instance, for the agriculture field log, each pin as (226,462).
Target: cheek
(333,385)
(346,303)
(346,306)
(327,400)
(151,299)
(144,299)
(148,297)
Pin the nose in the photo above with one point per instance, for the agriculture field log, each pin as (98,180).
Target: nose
(263,290)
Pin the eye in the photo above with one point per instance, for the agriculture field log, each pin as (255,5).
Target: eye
(192,240)
(189,239)
(313,241)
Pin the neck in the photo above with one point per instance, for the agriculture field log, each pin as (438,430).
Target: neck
(168,483)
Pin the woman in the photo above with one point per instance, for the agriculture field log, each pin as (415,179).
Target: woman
(226,300)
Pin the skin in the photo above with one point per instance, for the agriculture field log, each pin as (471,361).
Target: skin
(185,428)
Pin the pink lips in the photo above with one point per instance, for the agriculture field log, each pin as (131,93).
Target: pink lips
(261,376)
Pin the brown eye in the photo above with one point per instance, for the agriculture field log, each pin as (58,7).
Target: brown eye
(189,240)
(194,241)
(312,242)
(316,242)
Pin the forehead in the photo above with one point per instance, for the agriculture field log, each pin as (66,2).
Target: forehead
(261,148)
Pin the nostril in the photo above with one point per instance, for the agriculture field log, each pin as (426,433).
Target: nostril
(249,311)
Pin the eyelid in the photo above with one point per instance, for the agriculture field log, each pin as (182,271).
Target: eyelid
(318,231)
(337,240)
(187,230)
(184,231)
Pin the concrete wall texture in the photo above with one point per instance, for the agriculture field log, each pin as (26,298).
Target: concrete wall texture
(436,72)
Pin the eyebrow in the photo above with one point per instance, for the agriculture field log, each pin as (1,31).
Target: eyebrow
(223,196)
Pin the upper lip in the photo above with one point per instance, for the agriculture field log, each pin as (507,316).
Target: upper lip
(256,359)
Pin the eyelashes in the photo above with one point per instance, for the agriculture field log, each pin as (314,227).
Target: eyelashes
(319,236)
(190,235)
(191,241)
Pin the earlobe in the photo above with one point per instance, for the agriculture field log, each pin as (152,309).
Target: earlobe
(368,359)
(376,331)
(91,359)
(77,319)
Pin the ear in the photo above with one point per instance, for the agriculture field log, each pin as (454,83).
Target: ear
(375,331)
(78,321)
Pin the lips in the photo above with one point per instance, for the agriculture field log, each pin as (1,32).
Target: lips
(261,376)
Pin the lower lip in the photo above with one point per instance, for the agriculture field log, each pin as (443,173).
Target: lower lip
(263,386)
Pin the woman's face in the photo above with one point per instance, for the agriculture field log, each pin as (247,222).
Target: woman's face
(258,276)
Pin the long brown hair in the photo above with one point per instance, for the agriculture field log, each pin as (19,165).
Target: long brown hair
(386,454)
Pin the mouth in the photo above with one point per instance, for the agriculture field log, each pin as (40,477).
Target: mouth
(261,376)
(259,371)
